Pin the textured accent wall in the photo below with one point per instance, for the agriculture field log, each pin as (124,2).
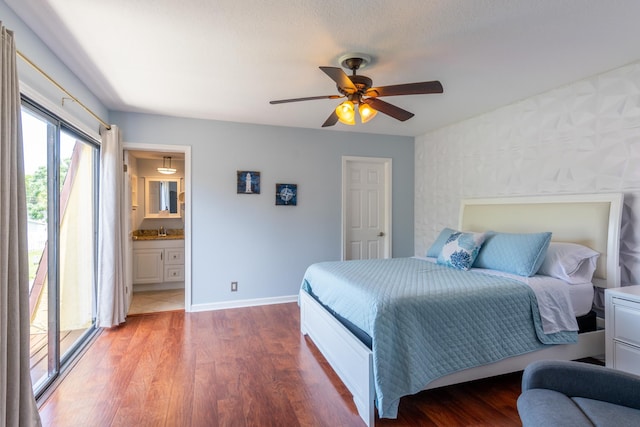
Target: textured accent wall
(580,138)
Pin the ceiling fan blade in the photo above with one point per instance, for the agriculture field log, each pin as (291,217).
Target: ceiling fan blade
(388,109)
(341,78)
(309,98)
(331,120)
(406,89)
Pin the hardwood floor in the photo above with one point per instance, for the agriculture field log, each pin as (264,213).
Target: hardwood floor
(241,367)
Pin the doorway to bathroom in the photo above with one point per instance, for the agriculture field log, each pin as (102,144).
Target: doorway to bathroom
(157,211)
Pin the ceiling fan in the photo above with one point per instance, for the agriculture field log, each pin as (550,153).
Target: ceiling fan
(359,91)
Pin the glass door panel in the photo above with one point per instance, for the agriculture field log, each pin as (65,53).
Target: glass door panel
(35,132)
(61,185)
(77,239)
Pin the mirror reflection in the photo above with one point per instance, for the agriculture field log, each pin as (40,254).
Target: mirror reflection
(161,198)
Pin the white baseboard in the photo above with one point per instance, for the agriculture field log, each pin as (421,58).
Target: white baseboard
(243,303)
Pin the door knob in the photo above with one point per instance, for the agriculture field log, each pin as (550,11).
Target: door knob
(381,234)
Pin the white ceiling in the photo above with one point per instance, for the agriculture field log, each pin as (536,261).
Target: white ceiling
(226,59)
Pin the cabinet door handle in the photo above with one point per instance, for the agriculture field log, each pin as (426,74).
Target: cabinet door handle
(161,255)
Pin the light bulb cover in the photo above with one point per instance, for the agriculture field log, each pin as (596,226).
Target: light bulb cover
(166,170)
(346,113)
(366,112)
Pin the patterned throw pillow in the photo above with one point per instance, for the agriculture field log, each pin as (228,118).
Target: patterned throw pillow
(461,249)
(436,247)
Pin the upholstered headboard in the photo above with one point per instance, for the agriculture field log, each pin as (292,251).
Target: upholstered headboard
(591,220)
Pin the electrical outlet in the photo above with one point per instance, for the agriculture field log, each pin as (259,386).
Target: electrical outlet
(234,286)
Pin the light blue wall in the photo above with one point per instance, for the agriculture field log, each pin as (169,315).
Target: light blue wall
(246,238)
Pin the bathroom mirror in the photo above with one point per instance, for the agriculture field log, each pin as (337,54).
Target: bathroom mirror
(161,198)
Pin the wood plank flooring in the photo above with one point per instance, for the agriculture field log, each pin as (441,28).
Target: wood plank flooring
(241,367)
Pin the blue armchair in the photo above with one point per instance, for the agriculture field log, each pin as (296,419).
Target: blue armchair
(567,394)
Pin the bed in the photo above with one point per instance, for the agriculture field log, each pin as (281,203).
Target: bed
(589,220)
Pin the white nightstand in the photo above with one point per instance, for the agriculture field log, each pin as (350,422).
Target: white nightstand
(622,330)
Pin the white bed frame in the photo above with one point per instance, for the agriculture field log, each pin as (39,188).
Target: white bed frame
(589,219)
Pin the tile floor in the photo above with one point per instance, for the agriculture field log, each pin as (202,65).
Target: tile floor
(153,301)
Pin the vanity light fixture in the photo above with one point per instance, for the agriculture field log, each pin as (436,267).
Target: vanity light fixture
(166,170)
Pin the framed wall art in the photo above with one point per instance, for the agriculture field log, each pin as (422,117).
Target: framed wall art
(248,182)
(286,194)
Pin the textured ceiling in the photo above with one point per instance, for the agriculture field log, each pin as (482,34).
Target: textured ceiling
(226,59)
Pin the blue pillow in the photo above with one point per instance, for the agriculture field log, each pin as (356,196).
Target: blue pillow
(436,247)
(460,250)
(520,254)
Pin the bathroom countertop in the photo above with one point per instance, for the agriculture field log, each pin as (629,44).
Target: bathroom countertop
(176,234)
(157,237)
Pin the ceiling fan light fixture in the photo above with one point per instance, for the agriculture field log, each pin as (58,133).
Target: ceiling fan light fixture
(366,112)
(346,113)
(359,89)
(166,170)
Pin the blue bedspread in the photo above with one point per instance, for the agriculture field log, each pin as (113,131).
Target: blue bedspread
(427,320)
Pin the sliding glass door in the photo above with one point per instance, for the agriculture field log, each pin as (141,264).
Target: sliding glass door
(61,170)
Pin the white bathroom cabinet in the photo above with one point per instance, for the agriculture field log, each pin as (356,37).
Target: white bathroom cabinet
(158,264)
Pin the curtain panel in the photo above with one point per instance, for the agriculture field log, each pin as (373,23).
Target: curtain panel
(111,262)
(17,403)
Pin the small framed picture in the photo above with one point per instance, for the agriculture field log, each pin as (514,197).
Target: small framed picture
(248,182)
(286,194)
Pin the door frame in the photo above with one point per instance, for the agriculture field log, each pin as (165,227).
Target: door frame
(186,150)
(387,163)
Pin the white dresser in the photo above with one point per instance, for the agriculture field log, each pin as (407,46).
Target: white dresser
(158,264)
(622,333)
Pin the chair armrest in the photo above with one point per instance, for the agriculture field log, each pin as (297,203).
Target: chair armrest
(576,379)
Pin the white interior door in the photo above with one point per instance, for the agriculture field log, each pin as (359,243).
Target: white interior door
(366,208)
(128,247)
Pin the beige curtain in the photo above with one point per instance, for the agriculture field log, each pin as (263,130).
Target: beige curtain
(17,404)
(111,277)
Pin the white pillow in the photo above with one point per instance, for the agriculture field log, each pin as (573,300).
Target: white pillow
(570,262)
